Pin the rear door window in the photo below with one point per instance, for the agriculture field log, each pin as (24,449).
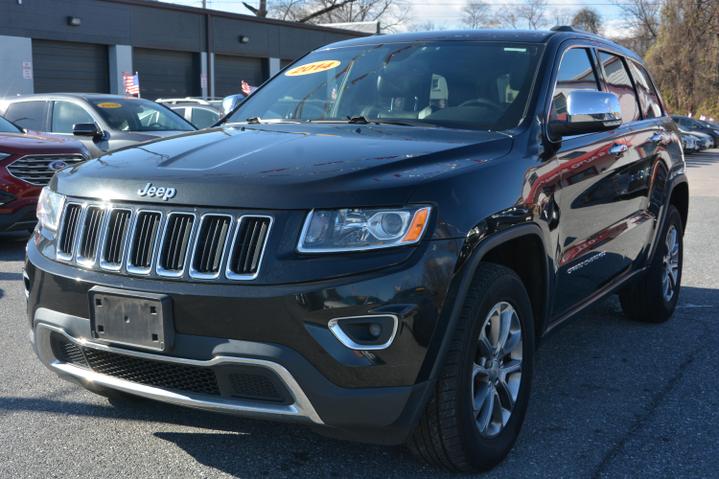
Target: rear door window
(65,115)
(28,114)
(576,72)
(648,97)
(618,82)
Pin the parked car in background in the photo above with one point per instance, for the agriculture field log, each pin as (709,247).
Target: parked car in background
(693,125)
(690,143)
(102,122)
(200,112)
(705,141)
(27,162)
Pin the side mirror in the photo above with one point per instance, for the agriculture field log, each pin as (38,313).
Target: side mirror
(87,129)
(587,111)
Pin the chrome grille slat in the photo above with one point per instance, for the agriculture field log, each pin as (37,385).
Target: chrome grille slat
(115,237)
(68,231)
(163,242)
(248,247)
(90,235)
(36,169)
(212,237)
(175,244)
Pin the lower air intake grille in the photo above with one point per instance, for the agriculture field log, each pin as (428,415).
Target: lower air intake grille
(91,232)
(241,382)
(249,244)
(211,244)
(116,233)
(69,228)
(143,242)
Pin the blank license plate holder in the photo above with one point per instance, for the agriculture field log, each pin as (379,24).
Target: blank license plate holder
(135,319)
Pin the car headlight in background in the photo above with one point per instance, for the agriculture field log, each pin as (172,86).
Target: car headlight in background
(360,229)
(3,155)
(49,209)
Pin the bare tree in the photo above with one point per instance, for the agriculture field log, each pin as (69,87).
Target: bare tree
(531,14)
(477,14)
(588,20)
(642,20)
(340,11)
(562,16)
(428,26)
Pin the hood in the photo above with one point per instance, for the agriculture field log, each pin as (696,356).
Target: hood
(31,142)
(142,136)
(285,166)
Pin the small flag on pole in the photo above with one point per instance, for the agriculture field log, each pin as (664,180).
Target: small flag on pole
(132,83)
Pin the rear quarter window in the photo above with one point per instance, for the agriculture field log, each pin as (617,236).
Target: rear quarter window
(28,114)
(648,97)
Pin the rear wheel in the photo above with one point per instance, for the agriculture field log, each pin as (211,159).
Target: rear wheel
(480,398)
(653,296)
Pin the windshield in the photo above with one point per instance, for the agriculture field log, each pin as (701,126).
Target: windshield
(7,127)
(132,114)
(472,85)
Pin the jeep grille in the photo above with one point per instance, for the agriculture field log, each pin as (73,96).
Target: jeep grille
(163,243)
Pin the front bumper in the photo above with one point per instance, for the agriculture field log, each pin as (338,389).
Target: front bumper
(278,331)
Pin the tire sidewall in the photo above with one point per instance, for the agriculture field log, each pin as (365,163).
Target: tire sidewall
(673,218)
(486,452)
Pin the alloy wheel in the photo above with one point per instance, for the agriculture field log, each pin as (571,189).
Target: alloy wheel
(497,369)
(670,262)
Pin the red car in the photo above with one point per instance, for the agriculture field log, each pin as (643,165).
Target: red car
(27,162)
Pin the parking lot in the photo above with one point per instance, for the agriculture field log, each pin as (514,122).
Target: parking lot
(610,398)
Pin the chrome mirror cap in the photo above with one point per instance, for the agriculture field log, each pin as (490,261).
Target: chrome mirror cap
(586,111)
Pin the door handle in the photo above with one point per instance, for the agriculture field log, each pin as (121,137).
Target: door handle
(618,149)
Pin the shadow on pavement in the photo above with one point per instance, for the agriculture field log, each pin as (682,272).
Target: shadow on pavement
(702,158)
(598,381)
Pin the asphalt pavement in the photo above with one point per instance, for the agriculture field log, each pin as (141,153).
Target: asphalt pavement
(611,398)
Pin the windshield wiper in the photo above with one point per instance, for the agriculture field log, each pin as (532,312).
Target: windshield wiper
(362,120)
(358,119)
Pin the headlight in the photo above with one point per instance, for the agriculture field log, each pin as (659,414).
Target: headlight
(3,155)
(358,229)
(49,209)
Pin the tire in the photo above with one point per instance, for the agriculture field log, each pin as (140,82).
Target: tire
(448,434)
(646,299)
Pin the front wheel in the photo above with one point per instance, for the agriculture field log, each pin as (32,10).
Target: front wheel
(480,399)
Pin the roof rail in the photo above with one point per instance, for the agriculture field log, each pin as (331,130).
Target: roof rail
(565,28)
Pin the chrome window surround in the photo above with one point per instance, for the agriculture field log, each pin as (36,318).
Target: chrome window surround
(300,409)
(98,262)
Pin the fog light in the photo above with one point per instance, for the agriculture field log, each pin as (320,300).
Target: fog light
(365,333)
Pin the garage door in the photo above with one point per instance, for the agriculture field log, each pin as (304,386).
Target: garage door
(230,71)
(167,74)
(70,67)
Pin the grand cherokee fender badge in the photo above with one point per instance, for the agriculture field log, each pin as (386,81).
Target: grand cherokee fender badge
(160,192)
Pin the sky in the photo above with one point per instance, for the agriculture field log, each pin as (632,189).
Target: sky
(448,13)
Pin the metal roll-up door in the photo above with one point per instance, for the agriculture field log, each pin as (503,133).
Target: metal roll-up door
(231,70)
(70,67)
(167,74)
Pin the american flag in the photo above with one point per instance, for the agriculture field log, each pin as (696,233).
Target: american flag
(132,83)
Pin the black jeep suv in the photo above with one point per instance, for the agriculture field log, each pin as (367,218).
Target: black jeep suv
(373,242)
